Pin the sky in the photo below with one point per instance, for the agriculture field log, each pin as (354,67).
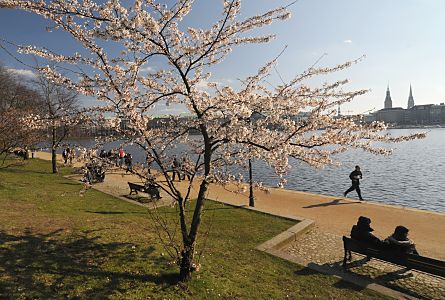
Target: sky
(402,41)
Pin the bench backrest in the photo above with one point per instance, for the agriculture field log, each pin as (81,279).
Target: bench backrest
(135,186)
(421,263)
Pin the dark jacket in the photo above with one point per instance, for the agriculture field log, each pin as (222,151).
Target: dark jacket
(362,233)
(355,177)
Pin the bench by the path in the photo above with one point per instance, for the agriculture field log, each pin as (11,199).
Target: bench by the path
(152,191)
(411,261)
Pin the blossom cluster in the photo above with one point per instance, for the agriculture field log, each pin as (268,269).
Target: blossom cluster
(252,122)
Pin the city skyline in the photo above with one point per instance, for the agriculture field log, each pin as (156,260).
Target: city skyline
(400,39)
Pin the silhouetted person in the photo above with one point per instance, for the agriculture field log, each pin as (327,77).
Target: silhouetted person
(153,189)
(185,168)
(362,232)
(400,243)
(121,155)
(355,177)
(65,155)
(128,162)
(148,162)
(176,166)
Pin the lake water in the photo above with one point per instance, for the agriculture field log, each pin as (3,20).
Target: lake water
(413,176)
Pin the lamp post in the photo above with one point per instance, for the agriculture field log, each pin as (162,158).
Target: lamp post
(251,197)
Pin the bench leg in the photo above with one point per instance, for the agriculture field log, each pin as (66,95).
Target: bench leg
(346,258)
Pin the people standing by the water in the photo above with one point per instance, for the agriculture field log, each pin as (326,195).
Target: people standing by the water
(121,157)
(71,155)
(355,177)
(65,156)
(176,167)
(185,168)
(148,162)
(128,162)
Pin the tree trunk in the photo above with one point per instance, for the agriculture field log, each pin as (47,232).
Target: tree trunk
(187,255)
(186,267)
(53,151)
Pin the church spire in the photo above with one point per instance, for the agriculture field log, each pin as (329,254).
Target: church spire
(388,101)
(410,98)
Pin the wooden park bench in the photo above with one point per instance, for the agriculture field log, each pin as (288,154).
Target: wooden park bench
(152,192)
(411,261)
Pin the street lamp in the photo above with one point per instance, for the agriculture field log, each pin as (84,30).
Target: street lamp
(251,196)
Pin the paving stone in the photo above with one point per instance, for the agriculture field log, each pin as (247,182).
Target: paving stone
(323,248)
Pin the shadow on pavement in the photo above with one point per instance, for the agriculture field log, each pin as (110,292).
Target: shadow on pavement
(341,284)
(333,202)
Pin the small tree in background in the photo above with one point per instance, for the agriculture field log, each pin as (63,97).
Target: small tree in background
(58,112)
(17,102)
(148,31)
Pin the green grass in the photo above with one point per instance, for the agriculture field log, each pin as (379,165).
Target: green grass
(55,243)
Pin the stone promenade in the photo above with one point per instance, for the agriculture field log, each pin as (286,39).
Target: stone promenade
(325,249)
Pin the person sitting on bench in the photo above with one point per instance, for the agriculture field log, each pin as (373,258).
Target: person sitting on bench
(152,188)
(399,241)
(362,232)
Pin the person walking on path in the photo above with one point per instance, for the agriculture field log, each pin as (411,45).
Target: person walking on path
(355,177)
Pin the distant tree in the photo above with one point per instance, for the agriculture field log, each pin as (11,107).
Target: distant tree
(146,31)
(58,112)
(17,102)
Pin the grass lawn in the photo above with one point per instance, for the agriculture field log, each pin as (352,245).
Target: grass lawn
(55,243)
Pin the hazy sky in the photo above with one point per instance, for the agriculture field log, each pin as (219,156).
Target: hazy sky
(403,41)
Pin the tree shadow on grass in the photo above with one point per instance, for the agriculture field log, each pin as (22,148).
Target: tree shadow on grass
(52,265)
(71,183)
(116,212)
(21,170)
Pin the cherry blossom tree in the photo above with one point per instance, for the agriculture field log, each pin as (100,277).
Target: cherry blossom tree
(254,121)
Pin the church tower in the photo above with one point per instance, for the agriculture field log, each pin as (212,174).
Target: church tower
(388,101)
(410,98)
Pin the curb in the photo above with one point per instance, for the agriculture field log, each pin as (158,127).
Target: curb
(286,237)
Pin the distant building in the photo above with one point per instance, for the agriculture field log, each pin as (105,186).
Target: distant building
(410,98)
(391,115)
(388,100)
(414,115)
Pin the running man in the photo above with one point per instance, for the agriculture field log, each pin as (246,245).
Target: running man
(355,177)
